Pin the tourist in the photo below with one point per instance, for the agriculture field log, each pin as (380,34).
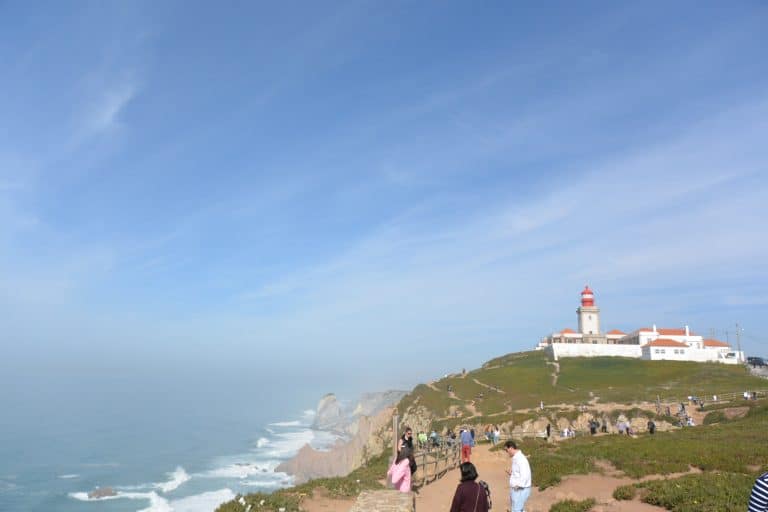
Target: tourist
(399,472)
(651,427)
(549,431)
(422,439)
(405,440)
(690,422)
(758,500)
(467,442)
(496,434)
(519,477)
(470,496)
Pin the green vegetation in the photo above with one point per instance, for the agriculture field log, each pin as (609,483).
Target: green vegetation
(625,492)
(715,417)
(573,506)
(706,492)
(737,446)
(525,379)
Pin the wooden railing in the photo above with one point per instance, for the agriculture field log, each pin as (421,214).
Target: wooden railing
(435,461)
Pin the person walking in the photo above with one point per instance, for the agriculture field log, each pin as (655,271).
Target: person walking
(399,472)
(470,496)
(758,500)
(519,477)
(467,442)
(405,440)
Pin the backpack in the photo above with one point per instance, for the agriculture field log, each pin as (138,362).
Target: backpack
(487,490)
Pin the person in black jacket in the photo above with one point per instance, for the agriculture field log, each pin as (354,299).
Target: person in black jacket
(470,496)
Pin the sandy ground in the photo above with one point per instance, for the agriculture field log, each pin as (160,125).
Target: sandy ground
(491,466)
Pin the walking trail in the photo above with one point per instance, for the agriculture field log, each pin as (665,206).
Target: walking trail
(491,466)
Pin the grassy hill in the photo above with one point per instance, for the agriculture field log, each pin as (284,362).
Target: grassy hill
(521,380)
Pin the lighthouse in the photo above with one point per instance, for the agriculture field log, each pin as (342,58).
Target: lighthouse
(588,313)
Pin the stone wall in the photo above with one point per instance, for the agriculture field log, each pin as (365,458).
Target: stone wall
(385,501)
(559,350)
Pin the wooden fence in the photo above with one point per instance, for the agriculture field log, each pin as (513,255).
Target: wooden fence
(436,461)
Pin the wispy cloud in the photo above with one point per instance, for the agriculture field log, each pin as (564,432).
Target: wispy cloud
(103,114)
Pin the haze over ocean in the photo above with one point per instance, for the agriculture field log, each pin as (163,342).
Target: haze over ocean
(211,215)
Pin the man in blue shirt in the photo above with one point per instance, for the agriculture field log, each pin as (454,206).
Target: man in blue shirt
(466,444)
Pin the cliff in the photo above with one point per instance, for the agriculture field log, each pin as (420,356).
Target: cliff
(370,438)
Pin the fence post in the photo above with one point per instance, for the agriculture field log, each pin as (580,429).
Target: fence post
(395,432)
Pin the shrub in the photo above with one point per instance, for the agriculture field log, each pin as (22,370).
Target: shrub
(715,417)
(573,506)
(705,492)
(625,492)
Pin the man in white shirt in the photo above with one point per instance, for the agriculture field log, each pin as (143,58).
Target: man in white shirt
(519,477)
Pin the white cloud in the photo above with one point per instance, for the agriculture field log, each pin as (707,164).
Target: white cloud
(104,113)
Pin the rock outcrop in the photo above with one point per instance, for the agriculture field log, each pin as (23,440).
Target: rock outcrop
(102,492)
(370,438)
(329,415)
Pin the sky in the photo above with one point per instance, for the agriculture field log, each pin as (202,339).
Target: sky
(377,191)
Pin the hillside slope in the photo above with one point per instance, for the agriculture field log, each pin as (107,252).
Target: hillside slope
(521,381)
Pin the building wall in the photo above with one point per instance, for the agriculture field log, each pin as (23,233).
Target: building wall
(589,320)
(559,350)
(706,355)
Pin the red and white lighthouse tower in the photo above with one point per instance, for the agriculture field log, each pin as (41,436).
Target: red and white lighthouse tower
(588,313)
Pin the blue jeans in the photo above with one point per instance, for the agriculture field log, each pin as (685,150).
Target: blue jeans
(518,498)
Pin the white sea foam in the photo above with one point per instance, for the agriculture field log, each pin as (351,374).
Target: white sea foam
(295,423)
(205,502)
(286,444)
(69,476)
(177,477)
(278,480)
(242,469)
(83,496)
(263,441)
(157,504)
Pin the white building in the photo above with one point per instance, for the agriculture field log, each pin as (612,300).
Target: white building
(652,344)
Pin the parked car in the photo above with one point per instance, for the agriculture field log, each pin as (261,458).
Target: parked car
(756,361)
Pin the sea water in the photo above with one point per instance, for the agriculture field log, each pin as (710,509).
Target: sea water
(164,441)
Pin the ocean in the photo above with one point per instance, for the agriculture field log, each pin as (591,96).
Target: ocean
(164,441)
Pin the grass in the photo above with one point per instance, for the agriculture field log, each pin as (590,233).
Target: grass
(737,446)
(573,506)
(706,492)
(526,379)
(625,492)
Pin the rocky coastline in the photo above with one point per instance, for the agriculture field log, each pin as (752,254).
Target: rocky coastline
(362,434)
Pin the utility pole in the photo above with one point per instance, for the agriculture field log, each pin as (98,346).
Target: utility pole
(738,339)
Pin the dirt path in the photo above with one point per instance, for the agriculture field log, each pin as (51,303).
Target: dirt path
(491,467)
(556,373)
(488,386)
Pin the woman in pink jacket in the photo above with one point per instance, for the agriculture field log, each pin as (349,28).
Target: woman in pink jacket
(400,471)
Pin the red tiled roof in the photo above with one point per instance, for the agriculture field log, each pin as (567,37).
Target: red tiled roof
(673,332)
(665,342)
(645,329)
(715,343)
(567,331)
(616,331)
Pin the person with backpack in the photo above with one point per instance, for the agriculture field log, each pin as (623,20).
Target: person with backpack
(471,495)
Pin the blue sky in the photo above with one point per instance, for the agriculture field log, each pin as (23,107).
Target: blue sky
(300,184)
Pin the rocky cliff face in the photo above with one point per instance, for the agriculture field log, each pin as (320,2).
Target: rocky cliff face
(329,415)
(370,439)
